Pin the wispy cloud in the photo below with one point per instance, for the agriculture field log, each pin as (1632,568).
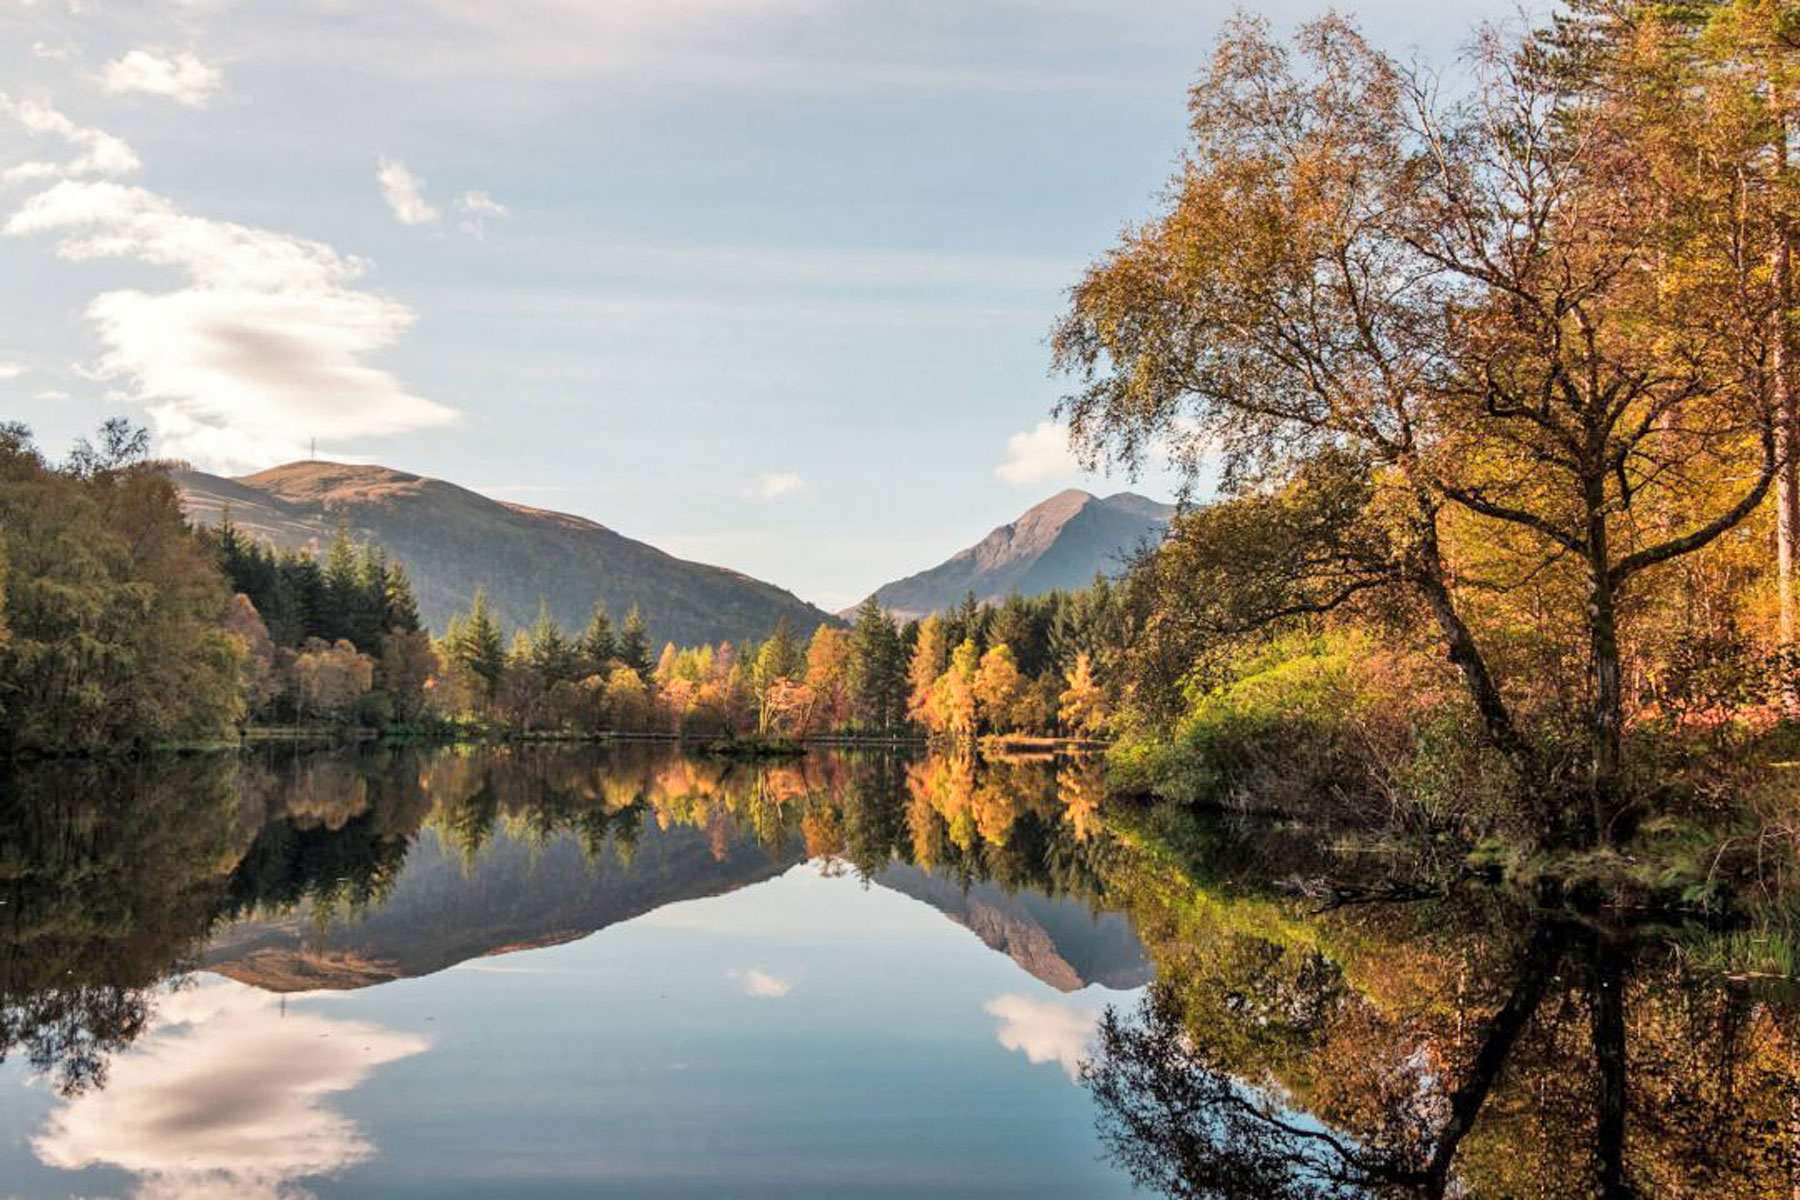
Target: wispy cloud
(480,204)
(404,193)
(11,370)
(1044,1031)
(97,152)
(182,77)
(1037,456)
(777,485)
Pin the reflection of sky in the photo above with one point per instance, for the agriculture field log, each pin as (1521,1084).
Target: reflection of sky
(227,1096)
(806,1036)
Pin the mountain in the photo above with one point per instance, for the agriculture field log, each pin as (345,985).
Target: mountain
(517,896)
(1057,939)
(1061,543)
(520,896)
(452,541)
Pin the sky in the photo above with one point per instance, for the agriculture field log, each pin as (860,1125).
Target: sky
(765,283)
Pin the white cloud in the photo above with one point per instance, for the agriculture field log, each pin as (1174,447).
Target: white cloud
(777,485)
(263,348)
(1044,1031)
(404,193)
(1038,455)
(99,152)
(480,204)
(181,77)
(11,370)
(762,984)
(225,1096)
(478,208)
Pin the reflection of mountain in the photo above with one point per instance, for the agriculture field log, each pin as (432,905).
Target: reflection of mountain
(515,897)
(518,898)
(1059,940)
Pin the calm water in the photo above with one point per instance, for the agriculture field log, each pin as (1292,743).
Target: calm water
(562,972)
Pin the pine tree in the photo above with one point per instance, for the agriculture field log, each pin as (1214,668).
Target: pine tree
(549,650)
(877,669)
(400,607)
(634,643)
(597,647)
(478,647)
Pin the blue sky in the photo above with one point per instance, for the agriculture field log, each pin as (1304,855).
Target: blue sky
(763,282)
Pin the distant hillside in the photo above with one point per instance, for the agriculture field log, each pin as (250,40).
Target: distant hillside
(452,541)
(1061,543)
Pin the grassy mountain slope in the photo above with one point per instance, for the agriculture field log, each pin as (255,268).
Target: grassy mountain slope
(452,540)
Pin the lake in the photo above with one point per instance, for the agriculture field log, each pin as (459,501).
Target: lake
(576,971)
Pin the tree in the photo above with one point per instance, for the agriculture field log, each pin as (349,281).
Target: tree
(549,651)
(475,645)
(634,643)
(331,678)
(1082,706)
(115,611)
(828,675)
(597,648)
(407,671)
(627,701)
(953,696)
(1454,300)
(878,669)
(931,653)
(400,606)
(999,688)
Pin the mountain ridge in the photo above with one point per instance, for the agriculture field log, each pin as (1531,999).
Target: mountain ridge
(452,540)
(1059,543)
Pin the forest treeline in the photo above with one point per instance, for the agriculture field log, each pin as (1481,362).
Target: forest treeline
(343,645)
(125,627)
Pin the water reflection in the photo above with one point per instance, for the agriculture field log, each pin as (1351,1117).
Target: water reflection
(1454,1044)
(226,1095)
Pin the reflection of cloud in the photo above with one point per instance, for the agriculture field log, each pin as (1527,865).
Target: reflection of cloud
(1044,1030)
(761,983)
(225,1097)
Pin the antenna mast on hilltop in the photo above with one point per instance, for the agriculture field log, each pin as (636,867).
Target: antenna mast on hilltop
(313,454)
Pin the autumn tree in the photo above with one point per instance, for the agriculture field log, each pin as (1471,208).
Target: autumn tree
(1081,707)
(1454,300)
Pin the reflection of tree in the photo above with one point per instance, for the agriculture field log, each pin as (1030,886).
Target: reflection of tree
(109,876)
(1574,1064)
(114,879)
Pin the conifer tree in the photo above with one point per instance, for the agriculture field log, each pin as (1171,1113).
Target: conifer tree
(634,643)
(478,647)
(597,647)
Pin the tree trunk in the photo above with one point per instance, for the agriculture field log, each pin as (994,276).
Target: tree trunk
(1787,441)
(1465,654)
(1607,707)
